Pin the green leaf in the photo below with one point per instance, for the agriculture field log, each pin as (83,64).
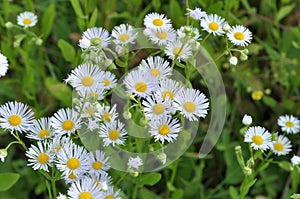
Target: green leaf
(79,13)
(233,193)
(47,20)
(67,50)
(285,165)
(283,12)
(175,12)
(7,180)
(93,18)
(59,90)
(295,180)
(156,4)
(147,194)
(18,39)
(150,179)
(178,194)
(269,101)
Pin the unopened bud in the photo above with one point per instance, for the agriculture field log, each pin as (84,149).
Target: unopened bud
(127,115)
(9,25)
(233,60)
(3,154)
(243,57)
(247,171)
(226,27)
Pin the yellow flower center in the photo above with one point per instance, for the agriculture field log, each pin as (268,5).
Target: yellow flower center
(257,139)
(189,106)
(106,117)
(289,124)
(164,129)
(169,94)
(87,81)
(178,51)
(73,163)
(27,21)
(89,111)
(239,36)
(123,37)
(162,35)
(106,82)
(140,87)
(68,125)
(113,135)
(58,148)
(44,133)
(155,72)
(97,165)
(43,158)
(158,109)
(158,22)
(72,176)
(109,197)
(85,195)
(214,26)
(257,95)
(278,146)
(15,120)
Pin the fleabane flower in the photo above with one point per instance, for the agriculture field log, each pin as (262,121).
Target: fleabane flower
(140,83)
(65,121)
(3,65)
(113,133)
(106,113)
(162,36)
(259,137)
(196,14)
(189,33)
(156,107)
(94,37)
(16,116)
(213,24)
(98,163)
(165,129)
(178,50)
(281,146)
(239,35)
(191,103)
(289,124)
(85,78)
(27,19)
(295,160)
(168,88)
(40,129)
(247,120)
(135,162)
(124,34)
(155,20)
(84,189)
(40,156)
(156,67)
(108,80)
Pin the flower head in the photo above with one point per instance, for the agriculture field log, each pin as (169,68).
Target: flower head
(289,124)
(213,24)
(40,129)
(239,35)
(84,189)
(113,133)
(259,138)
(295,160)
(124,34)
(196,14)
(155,21)
(178,50)
(94,37)
(27,19)
(247,120)
(3,65)
(281,146)
(135,162)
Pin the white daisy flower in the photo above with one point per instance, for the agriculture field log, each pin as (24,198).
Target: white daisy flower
(102,181)
(124,34)
(98,163)
(135,162)
(169,88)
(155,107)
(3,65)
(65,121)
(108,80)
(113,133)
(96,94)
(213,24)
(72,158)
(86,109)
(178,50)
(84,189)
(289,124)
(110,194)
(188,32)
(162,36)
(196,14)
(156,67)
(191,103)
(140,83)
(295,160)
(165,129)
(40,129)
(259,137)
(27,19)
(85,78)
(73,177)
(59,141)
(40,156)
(92,124)
(240,35)
(94,37)
(282,146)
(247,120)
(16,116)
(154,20)
(107,114)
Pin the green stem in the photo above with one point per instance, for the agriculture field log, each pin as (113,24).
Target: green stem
(20,141)
(174,172)
(136,187)
(125,174)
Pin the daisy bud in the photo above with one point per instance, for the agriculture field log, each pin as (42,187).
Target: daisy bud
(9,25)
(233,60)
(127,115)
(226,27)
(3,154)
(268,91)
(247,171)
(162,157)
(147,32)
(247,120)
(250,162)
(196,46)
(239,155)
(243,57)
(38,41)
(245,51)
(295,160)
